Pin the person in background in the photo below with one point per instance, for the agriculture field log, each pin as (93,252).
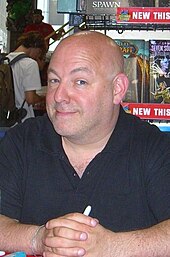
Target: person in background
(45,29)
(26,71)
(86,151)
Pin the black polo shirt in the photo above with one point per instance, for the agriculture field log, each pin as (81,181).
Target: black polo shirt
(127,184)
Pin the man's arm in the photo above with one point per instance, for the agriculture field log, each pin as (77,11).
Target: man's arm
(79,235)
(150,242)
(15,236)
(33,98)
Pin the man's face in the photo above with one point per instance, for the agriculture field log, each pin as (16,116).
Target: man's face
(37,18)
(80,93)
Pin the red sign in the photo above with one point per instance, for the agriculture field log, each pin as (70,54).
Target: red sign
(143,15)
(148,111)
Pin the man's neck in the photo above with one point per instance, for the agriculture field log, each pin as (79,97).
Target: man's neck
(21,49)
(80,152)
(80,155)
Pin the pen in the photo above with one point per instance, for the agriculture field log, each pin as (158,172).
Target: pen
(87,210)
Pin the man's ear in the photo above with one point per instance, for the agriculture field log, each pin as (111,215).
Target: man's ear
(120,86)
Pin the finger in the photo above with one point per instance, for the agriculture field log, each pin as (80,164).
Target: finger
(81,218)
(60,252)
(68,233)
(72,220)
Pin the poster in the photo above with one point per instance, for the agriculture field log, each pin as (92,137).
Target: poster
(136,61)
(159,59)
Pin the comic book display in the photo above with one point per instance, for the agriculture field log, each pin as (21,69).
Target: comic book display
(159,51)
(136,60)
(147,65)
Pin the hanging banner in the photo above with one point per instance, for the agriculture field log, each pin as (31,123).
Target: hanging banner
(143,15)
(148,111)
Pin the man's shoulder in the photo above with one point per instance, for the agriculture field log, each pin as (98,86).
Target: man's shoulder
(30,129)
(35,124)
(25,62)
(46,24)
(34,127)
(29,27)
(140,129)
(12,55)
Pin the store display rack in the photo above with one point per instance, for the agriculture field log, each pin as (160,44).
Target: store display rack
(105,22)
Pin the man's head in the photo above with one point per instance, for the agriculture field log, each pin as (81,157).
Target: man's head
(37,16)
(34,43)
(86,84)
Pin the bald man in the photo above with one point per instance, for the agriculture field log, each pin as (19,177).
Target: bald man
(86,151)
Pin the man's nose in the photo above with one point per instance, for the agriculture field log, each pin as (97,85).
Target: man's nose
(61,93)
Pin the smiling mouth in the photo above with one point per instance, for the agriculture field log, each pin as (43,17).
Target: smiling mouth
(64,113)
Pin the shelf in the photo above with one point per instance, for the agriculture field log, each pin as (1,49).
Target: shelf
(108,22)
(108,25)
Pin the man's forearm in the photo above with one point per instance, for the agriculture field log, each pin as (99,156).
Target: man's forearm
(15,236)
(151,242)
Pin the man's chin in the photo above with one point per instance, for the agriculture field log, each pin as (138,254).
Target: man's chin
(65,132)
(61,130)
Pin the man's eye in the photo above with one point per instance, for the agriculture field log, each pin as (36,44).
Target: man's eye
(53,81)
(81,82)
